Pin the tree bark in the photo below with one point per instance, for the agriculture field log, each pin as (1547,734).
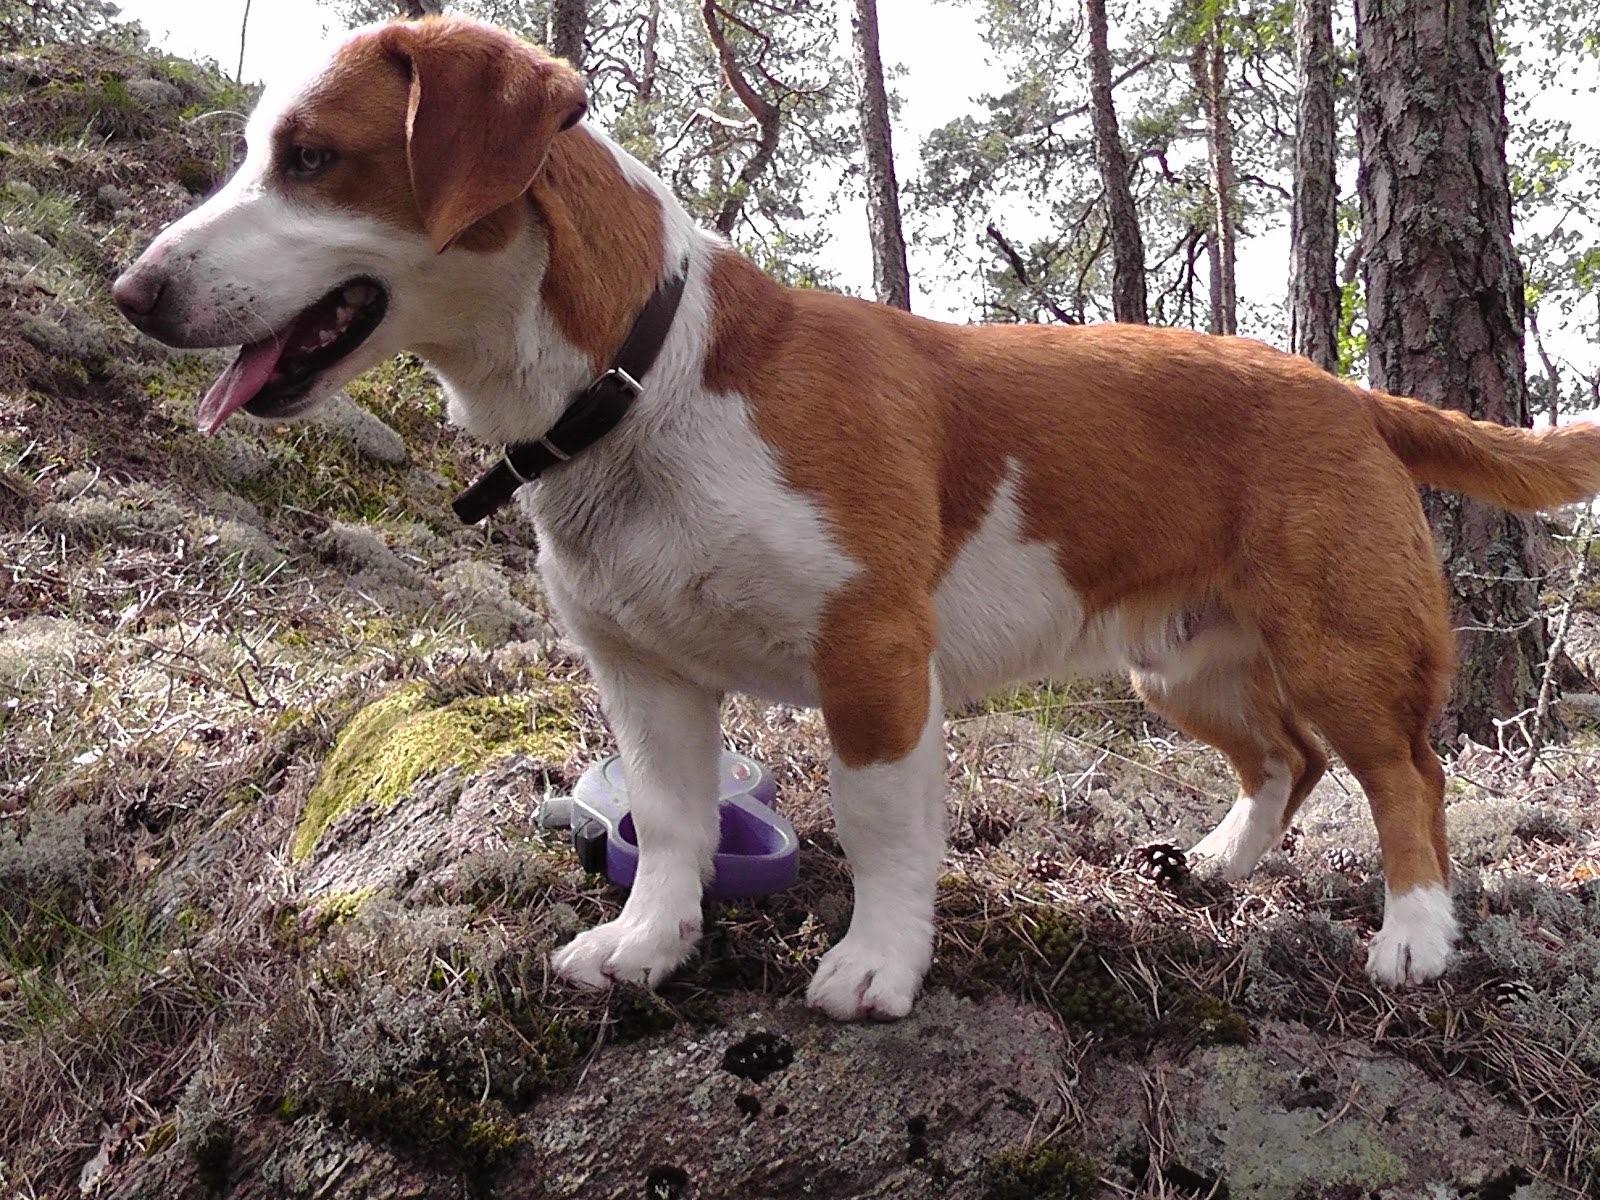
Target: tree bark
(1445,308)
(1209,69)
(1313,218)
(891,278)
(1128,301)
(565,27)
(415,10)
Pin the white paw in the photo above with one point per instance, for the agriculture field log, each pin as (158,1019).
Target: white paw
(1220,855)
(868,977)
(622,951)
(1418,935)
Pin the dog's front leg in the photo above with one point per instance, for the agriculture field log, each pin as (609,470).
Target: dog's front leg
(667,731)
(885,717)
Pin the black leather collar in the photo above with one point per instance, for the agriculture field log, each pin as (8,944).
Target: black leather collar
(593,413)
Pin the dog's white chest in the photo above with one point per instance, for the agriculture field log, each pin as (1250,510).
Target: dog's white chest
(710,561)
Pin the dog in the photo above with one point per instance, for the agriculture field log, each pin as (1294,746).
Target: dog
(827,502)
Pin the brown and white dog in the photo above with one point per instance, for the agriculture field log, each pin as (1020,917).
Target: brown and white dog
(823,501)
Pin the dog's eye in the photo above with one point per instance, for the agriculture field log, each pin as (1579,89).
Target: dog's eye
(306,161)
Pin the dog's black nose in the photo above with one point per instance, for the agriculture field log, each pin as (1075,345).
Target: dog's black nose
(137,292)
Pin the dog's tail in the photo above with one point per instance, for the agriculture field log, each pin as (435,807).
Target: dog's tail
(1522,469)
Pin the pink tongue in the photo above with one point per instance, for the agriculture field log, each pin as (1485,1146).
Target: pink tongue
(238,385)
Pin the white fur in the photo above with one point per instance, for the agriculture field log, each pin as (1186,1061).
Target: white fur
(667,730)
(1005,612)
(1250,827)
(891,823)
(679,533)
(1418,935)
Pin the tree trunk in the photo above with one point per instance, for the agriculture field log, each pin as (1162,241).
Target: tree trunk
(1209,69)
(415,10)
(1313,220)
(1445,307)
(763,112)
(1127,246)
(891,279)
(244,26)
(565,27)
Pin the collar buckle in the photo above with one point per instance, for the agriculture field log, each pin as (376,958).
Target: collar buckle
(619,377)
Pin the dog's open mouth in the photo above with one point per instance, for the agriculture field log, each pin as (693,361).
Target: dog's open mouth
(270,377)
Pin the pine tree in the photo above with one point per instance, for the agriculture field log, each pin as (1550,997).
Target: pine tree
(1445,307)
(891,278)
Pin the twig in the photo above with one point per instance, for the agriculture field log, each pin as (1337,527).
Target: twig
(1542,709)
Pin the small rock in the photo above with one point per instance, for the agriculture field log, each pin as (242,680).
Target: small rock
(355,546)
(366,433)
(154,93)
(1582,706)
(113,198)
(26,245)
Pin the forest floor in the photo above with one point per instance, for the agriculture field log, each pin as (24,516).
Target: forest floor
(275,909)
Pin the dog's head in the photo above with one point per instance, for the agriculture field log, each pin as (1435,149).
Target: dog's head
(372,190)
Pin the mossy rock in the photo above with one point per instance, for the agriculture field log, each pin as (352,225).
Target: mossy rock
(407,735)
(479,1136)
(1045,1172)
(1039,954)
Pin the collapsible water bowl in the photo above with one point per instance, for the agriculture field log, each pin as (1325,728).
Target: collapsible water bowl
(758,853)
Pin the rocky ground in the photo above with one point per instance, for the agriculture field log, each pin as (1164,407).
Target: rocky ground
(275,908)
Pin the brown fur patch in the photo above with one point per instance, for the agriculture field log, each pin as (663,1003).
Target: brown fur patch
(1164,468)
(606,245)
(439,126)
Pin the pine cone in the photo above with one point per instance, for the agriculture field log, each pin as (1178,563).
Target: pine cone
(1510,991)
(1291,840)
(1044,868)
(1161,863)
(1343,860)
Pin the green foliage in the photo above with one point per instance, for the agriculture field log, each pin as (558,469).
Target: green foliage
(34,22)
(1045,1172)
(1352,330)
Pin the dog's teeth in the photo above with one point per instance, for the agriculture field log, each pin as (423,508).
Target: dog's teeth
(344,314)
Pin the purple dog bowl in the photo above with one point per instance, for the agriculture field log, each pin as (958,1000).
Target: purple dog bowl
(758,853)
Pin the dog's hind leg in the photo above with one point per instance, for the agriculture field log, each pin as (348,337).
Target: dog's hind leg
(1236,707)
(1371,683)
(881,701)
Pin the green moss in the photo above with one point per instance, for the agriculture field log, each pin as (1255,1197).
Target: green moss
(1044,956)
(1205,1020)
(195,176)
(160,1138)
(396,740)
(421,1118)
(1043,1172)
(339,907)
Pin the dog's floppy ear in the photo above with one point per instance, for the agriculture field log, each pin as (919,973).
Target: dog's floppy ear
(484,108)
